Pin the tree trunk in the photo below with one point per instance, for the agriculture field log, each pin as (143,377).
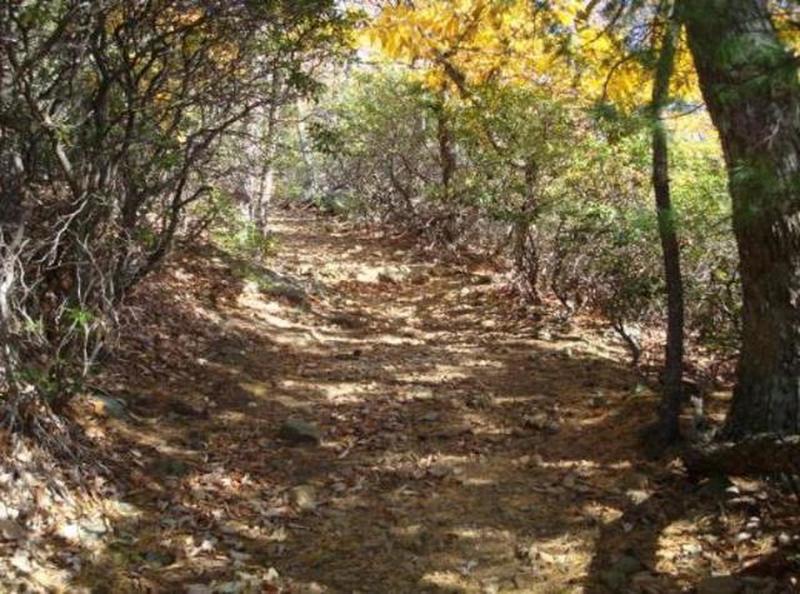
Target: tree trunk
(266,170)
(311,184)
(672,396)
(527,259)
(750,84)
(447,156)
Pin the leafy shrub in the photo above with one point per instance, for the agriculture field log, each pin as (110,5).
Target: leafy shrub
(562,195)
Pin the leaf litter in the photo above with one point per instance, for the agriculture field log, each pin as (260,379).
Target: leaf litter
(395,424)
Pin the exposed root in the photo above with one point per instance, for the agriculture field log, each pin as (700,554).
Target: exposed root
(758,455)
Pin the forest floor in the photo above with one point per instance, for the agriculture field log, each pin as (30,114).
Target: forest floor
(355,417)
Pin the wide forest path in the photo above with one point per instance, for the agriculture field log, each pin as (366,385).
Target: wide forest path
(355,417)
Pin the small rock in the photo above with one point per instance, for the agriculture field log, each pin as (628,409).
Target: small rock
(723,584)
(294,295)
(743,536)
(10,530)
(298,431)
(107,406)
(784,539)
(303,497)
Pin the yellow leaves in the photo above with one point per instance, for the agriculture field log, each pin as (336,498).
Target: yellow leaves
(394,36)
(566,12)
(613,72)
(522,43)
(684,78)
(481,39)
(434,79)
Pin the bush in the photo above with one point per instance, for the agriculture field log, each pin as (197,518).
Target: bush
(563,195)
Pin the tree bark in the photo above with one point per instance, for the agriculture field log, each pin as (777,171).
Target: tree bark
(266,171)
(447,156)
(672,395)
(750,85)
(527,259)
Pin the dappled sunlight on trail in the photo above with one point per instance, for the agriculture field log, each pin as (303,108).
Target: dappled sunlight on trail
(453,444)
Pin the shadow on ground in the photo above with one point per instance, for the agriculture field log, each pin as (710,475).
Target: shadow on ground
(465,447)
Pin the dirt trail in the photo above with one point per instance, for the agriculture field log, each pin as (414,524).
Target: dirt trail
(465,448)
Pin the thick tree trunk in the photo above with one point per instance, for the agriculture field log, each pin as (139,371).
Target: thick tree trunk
(672,396)
(750,84)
